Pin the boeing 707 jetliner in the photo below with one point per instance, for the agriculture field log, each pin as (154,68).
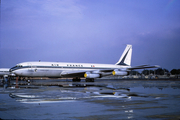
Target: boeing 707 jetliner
(4,71)
(77,70)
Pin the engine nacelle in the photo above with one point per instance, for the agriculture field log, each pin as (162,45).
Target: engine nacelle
(89,75)
(120,73)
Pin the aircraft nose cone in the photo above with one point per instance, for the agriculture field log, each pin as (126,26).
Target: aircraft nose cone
(15,72)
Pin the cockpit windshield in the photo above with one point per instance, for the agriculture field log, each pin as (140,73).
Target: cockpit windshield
(15,68)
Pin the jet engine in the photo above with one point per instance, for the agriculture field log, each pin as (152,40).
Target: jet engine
(90,75)
(121,73)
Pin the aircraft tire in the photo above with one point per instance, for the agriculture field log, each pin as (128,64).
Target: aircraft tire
(76,79)
(90,80)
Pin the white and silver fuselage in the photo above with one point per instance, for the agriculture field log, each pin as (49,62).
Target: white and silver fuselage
(55,69)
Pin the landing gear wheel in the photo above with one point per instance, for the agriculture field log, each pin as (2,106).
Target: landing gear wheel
(77,79)
(90,80)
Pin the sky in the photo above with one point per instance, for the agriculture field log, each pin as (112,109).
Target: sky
(90,31)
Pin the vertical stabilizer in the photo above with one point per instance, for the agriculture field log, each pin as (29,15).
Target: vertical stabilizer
(125,58)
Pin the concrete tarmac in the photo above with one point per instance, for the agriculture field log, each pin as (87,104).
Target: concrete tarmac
(102,99)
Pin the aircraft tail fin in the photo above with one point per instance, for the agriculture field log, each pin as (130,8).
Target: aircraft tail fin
(125,58)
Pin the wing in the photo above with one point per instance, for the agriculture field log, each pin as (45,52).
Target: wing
(143,67)
(92,73)
(72,73)
(125,71)
(103,72)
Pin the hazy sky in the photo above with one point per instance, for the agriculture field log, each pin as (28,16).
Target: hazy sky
(90,31)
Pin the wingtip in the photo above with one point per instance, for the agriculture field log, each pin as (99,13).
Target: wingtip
(157,66)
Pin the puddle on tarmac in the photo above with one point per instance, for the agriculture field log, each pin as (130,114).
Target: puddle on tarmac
(102,99)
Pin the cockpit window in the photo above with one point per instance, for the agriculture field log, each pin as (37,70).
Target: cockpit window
(16,67)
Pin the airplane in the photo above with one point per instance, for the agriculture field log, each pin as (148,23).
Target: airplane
(4,71)
(4,74)
(90,71)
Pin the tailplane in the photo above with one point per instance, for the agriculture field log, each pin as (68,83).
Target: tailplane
(125,58)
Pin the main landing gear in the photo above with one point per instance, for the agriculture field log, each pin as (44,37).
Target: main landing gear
(76,79)
(89,79)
